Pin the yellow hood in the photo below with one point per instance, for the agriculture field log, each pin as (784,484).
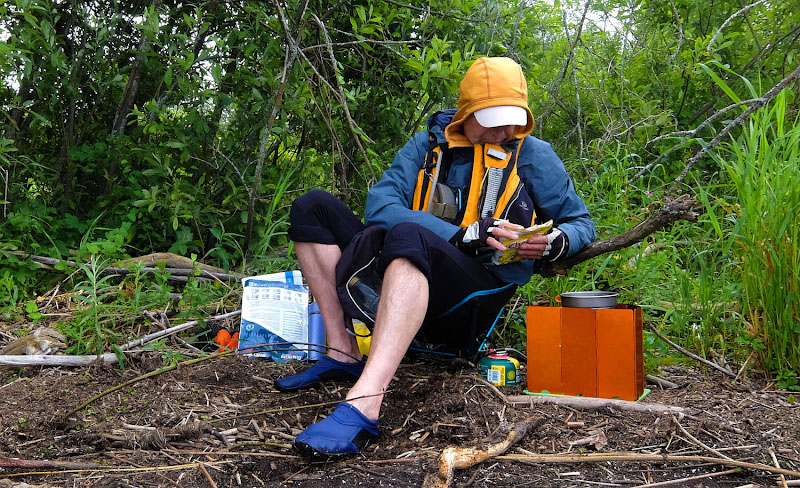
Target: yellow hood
(489,82)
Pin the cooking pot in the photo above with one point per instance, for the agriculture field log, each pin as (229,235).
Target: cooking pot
(588,299)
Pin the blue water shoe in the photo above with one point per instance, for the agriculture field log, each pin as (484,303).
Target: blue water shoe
(345,431)
(324,369)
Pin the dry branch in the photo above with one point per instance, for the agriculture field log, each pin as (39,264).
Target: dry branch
(685,351)
(683,208)
(176,266)
(735,123)
(590,403)
(26,360)
(173,330)
(585,403)
(7,462)
(292,50)
(752,105)
(635,457)
(140,378)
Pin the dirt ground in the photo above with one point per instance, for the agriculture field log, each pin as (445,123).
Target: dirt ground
(223,420)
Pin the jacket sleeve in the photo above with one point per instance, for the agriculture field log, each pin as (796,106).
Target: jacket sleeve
(389,200)
(553,193)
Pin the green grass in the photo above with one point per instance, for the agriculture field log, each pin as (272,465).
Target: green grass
(763,167)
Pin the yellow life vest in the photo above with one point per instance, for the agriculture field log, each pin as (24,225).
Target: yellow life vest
(492,187)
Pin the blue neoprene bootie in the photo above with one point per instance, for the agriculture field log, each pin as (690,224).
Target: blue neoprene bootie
(324,369)
(345,431)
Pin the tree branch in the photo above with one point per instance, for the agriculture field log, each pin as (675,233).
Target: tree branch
(729,19)
(343,99)
(292,51)
(760,102)
(682,208)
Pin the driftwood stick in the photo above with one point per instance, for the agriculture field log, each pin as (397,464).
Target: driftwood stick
(163,323)
(682,350)
(453,457)
(683,208)
(590,403)
(7,462)
(20,360)
(635,457)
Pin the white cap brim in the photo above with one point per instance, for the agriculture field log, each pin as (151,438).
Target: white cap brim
(502,115)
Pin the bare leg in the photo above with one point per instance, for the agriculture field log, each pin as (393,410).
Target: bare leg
(401,310)
(318,262)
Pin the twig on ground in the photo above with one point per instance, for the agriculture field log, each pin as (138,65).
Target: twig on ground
(163,324)
(697,441)
(106,469)
(47,360)
(775,462)
(232,453)
(207,475)
(289,409)
(665,384)
(7,462)
(635,457)
(682,350)
(496,391)
(19,360)
(744,365)
(156,372)
(174,329)
(690,478)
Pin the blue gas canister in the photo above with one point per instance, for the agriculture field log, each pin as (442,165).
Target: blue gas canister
(316,333)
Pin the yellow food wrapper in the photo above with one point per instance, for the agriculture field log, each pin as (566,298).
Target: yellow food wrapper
(510,254)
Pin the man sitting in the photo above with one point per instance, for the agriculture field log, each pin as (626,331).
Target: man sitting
(432,225)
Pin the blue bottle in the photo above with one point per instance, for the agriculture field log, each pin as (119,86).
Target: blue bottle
(316,333)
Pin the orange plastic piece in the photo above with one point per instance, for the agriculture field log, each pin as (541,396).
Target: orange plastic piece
(222,339)
(233,344)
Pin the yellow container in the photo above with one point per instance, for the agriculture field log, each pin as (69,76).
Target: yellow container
(363,337)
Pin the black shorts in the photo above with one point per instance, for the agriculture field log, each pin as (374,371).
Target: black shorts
(465,298)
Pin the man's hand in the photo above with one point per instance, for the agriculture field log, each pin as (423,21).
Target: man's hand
(485,232)
(549,247)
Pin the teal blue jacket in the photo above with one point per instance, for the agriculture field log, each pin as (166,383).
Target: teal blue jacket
(538,166)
